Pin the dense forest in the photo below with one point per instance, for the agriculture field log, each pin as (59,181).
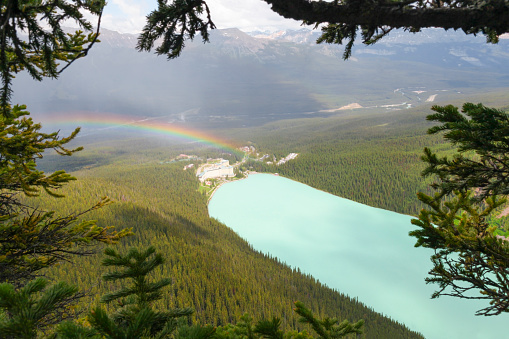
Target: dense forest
(212,269)
(372,157)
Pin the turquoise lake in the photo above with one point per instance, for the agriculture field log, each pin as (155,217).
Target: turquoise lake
(361,251)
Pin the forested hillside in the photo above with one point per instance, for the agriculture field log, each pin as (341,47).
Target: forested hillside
(212,269)
(365,156)
(372,157)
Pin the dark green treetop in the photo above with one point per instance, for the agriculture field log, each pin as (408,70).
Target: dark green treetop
(327,328)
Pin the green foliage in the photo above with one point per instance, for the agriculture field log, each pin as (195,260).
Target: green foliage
(335,34)
(479,130)
(327,328)
(137,265)
(30,239)
(26,311)
(469,256)
(46,43)
(174,23)
(72,330)
(195,331)
(135,317)
(37,240)
(21,143)
(269,328)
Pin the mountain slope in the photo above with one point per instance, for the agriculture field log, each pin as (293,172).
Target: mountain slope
(241,80)
(212,269)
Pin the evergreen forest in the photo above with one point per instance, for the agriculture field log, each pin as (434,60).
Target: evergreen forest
(374,159)
(211,268)
(107,235)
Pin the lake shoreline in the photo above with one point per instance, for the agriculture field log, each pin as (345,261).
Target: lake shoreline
(246,175)
(318,189)
(226,182)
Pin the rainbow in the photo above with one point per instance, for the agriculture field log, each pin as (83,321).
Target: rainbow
(148,124)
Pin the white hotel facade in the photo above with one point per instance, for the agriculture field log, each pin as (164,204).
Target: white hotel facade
(219,170)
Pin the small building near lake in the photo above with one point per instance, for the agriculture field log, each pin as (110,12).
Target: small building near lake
(220,169)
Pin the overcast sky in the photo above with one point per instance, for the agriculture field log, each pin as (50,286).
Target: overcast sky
(128,16)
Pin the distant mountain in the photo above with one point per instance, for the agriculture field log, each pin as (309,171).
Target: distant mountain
(301,36)
(249,79)
(435,46)
(429,35)
(118,40)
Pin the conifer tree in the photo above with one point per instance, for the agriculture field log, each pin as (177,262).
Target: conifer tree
(32,38)
(26,312)
(477,130)
(135,317)
(30,239)
(470,261)
(269,329)
(327,328)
